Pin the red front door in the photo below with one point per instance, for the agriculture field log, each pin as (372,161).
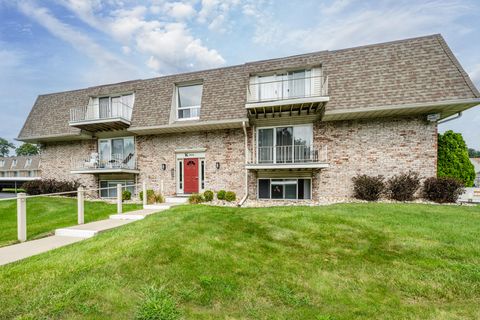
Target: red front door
(190,174)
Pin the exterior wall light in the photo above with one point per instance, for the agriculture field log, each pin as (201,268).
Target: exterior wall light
(217,165)
(164,166)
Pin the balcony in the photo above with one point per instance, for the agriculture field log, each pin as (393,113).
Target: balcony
(101,117)
(287,96)
(289,157)
(110,163)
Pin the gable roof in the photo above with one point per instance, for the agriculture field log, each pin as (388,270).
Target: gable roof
(6,163)
(414,72)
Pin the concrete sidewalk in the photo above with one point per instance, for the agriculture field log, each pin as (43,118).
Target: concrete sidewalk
(66,236)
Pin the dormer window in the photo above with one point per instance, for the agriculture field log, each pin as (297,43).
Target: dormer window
(189,99)
(2,163)
(28,163)
(14,163)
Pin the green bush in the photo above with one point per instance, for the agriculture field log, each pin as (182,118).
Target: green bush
(221,194)
(126,195)
(150,196)
(159,198)
(195,198)
(208,195)
(442,190)
(157,304)
(367,187)
(230,196)
(403,187)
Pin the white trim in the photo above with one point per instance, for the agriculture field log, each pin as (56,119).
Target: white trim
(273,166)
(284,199)
(180,189)
(100,170)
(177,101)
(274,103)
(185,155)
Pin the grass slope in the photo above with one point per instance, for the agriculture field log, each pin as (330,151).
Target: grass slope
(45,214)
(351,261)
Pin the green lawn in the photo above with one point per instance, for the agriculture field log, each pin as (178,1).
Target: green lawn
(44,215)
(349,261)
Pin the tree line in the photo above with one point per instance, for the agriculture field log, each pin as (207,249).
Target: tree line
(26,149)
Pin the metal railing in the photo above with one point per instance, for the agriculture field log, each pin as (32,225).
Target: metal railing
(294,88)
(111,161)
(291,154)
(92,112)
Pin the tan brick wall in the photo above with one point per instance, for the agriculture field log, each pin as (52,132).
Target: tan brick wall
(373,147)
(56,161)
(224,146)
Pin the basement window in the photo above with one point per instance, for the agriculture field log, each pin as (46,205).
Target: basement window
(285,189)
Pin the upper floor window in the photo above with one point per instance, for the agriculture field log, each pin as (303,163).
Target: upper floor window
(111,107)
(2,163)
(189,99)
(14,163)
(28,163)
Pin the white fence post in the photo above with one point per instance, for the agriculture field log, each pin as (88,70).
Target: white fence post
(80,203)
(119,198)
(22,216)
(144,200)
(161,187)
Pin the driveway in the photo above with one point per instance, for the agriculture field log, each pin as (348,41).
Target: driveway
(7,195)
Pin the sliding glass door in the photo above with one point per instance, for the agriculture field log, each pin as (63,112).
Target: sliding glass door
(117,153)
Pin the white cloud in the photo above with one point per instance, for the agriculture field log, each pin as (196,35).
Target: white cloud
(170,46)
(336,6)
(180,10)
(216,13)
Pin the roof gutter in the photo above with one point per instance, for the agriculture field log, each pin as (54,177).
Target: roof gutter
(242,201)
(457,116)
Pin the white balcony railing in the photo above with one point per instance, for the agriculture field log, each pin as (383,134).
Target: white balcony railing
(291,154)
(94,112)
(284,89)
(106,162)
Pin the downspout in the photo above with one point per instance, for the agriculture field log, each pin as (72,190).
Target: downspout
(459,115)
(246,162)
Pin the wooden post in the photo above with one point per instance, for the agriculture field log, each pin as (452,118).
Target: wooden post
(80,204)
(22,216)
(119,198)
(144,187)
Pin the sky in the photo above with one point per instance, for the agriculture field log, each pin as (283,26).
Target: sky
(57,45)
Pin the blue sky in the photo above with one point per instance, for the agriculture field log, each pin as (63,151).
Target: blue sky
(57,45)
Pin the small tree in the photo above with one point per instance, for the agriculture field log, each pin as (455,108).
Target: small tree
(27,149)
(5,147)
(453,158)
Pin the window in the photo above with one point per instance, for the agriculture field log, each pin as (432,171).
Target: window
(111,107)
(117,153)
(285,144)
(28,163)
(109,187)
(202,174)
(2,163)
(287,189)
(189,100)
(14,163)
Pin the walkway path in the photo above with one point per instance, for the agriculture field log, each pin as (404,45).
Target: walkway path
(66,236)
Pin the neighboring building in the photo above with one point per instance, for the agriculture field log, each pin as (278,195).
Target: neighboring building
(14,171)
(476,164)
(298,127)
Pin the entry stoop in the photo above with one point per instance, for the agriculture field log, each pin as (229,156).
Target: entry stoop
(176,200)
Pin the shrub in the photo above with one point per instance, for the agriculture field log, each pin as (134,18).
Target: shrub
(367,187)
(403,187)
(157,304)
(45,186)
(230,196)
(208,195)
(195,198)
(221,194)
(442,190)
(126,195)
(150,196)
(159,198)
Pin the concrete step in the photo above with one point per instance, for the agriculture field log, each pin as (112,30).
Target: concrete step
(126,216)
(90,229)
(160,206)
(176,199)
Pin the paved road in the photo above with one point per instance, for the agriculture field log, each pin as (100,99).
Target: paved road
(7,195)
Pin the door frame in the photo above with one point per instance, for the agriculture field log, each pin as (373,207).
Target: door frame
(179,183)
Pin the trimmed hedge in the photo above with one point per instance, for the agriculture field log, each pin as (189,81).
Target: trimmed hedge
(208,195)
(195,198)
(367,187)
(442,189)
(221,194)
(44,186)
(126,195)
(402,187)
(230,196)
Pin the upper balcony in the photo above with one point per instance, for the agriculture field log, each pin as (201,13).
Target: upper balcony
(103,114)
(300,92)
